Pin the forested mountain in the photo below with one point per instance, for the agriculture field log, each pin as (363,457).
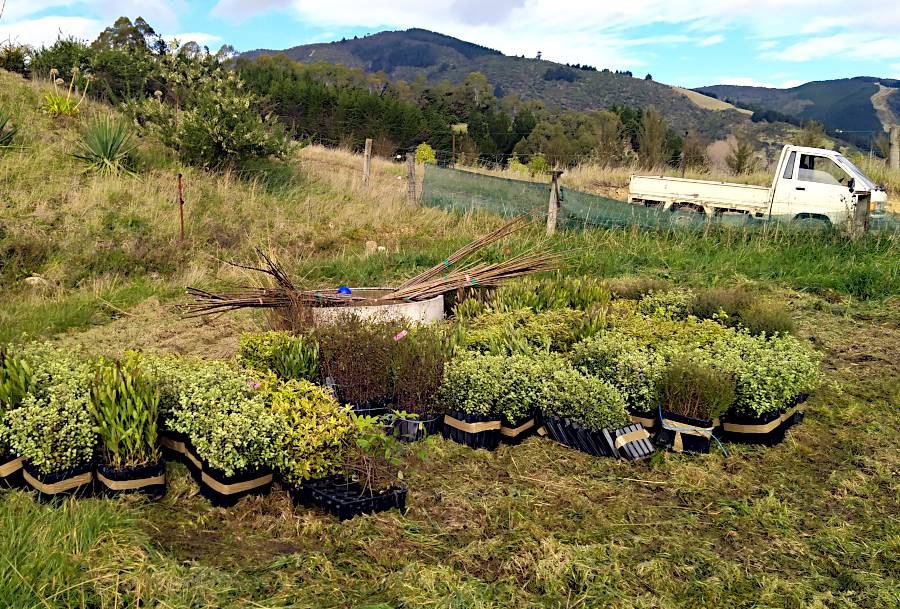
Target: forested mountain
(859,107)
(421,54)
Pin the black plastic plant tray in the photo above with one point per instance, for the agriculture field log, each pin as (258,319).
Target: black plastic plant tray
(348,499)
(488,440)
(226,491)
(43,483)
(11,472)
(408,430)
(774,425)
(691,443)
(574,435)
(147,480)
(511,432)
(635,450)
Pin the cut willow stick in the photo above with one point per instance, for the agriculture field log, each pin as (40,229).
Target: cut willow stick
(507,229)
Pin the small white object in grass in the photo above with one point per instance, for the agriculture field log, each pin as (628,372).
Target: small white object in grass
(381,248)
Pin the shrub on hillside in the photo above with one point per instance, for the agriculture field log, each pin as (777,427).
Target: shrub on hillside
(213,120)
(425,154)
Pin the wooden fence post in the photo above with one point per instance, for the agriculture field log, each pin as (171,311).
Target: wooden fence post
(411,178)
(895,147)
(367,160)
(553,204)
(181,207)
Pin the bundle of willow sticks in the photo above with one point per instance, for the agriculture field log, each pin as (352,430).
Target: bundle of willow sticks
(439,279)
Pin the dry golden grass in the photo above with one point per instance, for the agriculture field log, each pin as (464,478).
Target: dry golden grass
(709,103)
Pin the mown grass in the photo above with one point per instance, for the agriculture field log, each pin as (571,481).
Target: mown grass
(809,523)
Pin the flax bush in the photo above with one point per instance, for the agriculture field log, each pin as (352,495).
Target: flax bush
(125,408)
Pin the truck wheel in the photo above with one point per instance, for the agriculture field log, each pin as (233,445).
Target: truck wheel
(811,222)
(687,214)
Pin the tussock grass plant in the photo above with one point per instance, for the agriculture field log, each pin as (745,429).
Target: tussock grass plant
(691,389)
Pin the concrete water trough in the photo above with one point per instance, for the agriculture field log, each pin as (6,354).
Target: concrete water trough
(419,312)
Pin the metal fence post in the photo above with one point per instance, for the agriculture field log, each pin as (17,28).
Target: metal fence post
(411,178)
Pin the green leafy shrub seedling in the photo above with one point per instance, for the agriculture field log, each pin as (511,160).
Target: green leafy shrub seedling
(694,390)
(317,430)
(106,147)
(125,407)
(286,355)
(52,429)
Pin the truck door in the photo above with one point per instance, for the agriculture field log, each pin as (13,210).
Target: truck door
(820,189)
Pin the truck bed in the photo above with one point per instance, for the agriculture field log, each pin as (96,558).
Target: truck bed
(658,189)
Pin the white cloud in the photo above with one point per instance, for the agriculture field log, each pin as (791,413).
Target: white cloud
(46,30)
(710,41)
(767,45)
(854,46)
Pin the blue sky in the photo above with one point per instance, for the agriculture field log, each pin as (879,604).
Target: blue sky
(683,42)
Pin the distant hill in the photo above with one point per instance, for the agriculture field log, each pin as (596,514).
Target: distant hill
(407,55)
(862,104)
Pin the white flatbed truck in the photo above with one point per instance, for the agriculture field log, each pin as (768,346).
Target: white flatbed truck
(810,184)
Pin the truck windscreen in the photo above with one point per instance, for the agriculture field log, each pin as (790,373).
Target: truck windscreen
(860,176)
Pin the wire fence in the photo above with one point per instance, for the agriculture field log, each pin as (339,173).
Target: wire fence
(465,191)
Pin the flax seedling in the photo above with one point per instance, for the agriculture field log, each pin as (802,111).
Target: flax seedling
(125,407)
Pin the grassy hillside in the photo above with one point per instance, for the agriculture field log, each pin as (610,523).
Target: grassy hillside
(810,523)
(414,53)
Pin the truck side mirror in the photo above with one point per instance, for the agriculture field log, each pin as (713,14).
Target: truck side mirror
(852,184)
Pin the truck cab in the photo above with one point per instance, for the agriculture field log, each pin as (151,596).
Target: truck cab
(820,184)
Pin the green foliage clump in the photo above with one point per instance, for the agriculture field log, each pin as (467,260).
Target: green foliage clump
(53,429)
(557,293)
(8,131)
(584,398)
(766,317)
(538,164)
(16,382)
(634,288)
(472,384)
(632,367)
(769,371)
(286,355)
(736,307)
(675,304)
(125,408)
(106,148)
(226,419)
(15,58)
(425,154)
(695,390)
(513,387)
(523,331)
(317,431)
